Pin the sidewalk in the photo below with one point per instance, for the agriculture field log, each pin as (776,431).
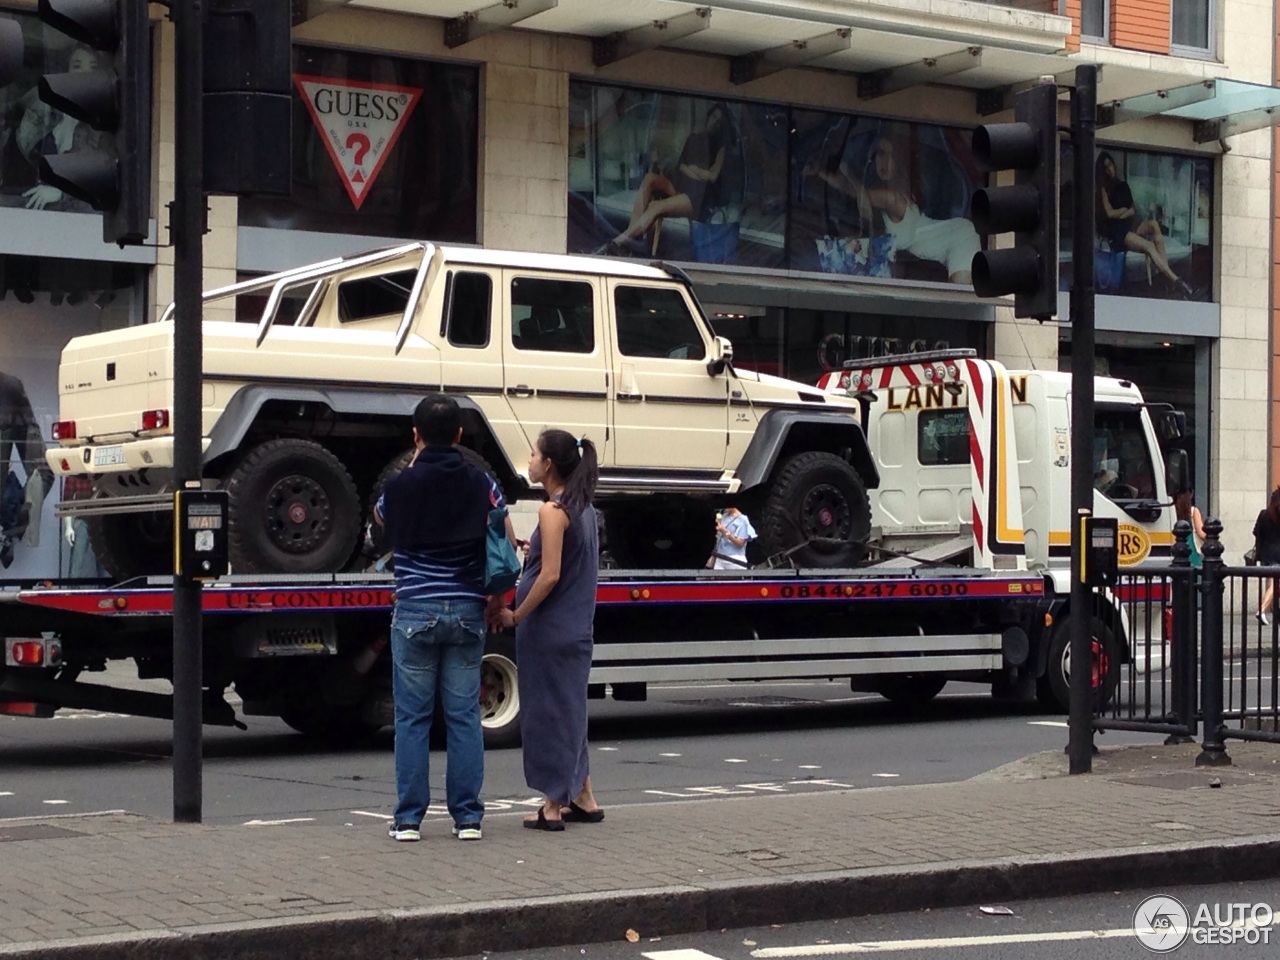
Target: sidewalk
(118,885)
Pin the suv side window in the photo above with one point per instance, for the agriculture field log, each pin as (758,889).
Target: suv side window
(467,323)
(379,296)
(552,315)
(656,322)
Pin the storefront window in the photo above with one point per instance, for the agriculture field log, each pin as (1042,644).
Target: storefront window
(748,184)
(382,145)
(46,303)
(30,128)
(1154,234)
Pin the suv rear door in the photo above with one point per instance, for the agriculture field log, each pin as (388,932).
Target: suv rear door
(555,355)
(668,411)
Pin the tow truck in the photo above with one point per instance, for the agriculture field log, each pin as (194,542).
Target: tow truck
(967,579)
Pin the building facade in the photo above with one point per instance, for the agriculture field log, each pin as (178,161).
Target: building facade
(806,162)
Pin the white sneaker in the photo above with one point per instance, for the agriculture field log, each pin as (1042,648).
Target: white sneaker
(404,832)
(468,831)
(1264,619)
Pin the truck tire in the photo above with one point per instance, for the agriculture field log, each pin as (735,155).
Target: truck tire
(660,534)
(1053,690)
(330,723)
(375,536)
(499,692)
(818,500)
(910,690)
(132,544)
(294,509)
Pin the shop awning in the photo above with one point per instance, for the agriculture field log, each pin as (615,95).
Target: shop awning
(1217,108)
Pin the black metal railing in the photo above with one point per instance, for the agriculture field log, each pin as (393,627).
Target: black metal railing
(1180,650)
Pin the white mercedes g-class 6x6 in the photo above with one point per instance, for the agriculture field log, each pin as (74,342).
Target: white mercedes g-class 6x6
(307,411)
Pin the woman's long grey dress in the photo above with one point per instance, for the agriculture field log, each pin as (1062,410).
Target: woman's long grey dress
(553,651)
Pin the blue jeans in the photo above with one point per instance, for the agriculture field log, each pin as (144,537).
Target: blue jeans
(438,642)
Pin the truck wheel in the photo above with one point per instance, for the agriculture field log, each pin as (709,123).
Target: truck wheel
(499,693)
(910,690)
(329,723)
(294,509)
(132,544)
(817,500)
(1053,690)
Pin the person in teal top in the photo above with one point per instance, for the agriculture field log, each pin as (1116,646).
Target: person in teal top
(1184,505)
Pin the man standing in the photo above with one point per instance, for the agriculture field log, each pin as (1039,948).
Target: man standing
(733,532)
(435,513)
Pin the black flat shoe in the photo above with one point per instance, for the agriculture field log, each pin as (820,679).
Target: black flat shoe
(575,814)
(542,823)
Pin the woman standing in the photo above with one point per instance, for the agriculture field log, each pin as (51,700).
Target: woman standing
(1266,542)
(555,607)
(1186,509)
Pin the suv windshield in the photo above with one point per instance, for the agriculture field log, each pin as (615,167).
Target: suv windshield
(1122,468)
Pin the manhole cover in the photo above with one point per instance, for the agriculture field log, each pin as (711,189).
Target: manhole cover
(1186,780)
(36,831)
(761,855)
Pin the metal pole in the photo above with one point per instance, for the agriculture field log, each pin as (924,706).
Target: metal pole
(187,231)
(1183,602)
(1084,109)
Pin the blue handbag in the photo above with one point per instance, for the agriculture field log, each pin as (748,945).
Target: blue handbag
(501,564)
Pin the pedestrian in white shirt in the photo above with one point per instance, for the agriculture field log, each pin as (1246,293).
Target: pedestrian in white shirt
(733,533)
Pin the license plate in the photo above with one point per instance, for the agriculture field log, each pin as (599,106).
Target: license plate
(108,456)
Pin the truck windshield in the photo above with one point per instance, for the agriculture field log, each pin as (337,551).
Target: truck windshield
(1122,467)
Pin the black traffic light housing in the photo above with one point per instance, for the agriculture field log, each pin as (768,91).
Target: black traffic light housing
(248,97)
(1029,208)
(114,98)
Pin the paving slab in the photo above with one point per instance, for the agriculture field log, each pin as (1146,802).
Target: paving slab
(119,885)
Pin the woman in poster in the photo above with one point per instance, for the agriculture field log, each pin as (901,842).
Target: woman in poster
(693,190)
(885,196)
(1120,225)
(21,444)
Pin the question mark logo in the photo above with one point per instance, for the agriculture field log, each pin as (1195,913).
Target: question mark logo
(362,145)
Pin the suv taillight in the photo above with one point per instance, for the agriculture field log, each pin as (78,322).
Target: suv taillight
(155,419)
(64,430)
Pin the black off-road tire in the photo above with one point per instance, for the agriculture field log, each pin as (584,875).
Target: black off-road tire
(817,499)
(1053,690)
(132,544)
(294,509)
(375,537)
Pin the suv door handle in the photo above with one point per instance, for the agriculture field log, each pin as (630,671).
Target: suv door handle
(520,390)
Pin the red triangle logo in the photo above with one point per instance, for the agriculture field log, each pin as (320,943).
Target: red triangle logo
(359,123)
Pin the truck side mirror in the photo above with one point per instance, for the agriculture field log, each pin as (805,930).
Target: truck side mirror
(1177,472)
(1171,425)
(721,356)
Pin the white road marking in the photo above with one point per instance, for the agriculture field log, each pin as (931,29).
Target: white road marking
(941,943)
(276,823)
(679,955)
(607,749)
(6,793)
(886,774)
(734,760)
(1046,723)
(366,813)
(54,803)
(810,766)
(670,754)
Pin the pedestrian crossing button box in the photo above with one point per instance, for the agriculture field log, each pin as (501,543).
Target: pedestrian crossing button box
(200,533)
(1101,554)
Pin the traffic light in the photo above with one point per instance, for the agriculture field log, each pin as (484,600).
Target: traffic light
(1029,208)
(110,90)
(248,97)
